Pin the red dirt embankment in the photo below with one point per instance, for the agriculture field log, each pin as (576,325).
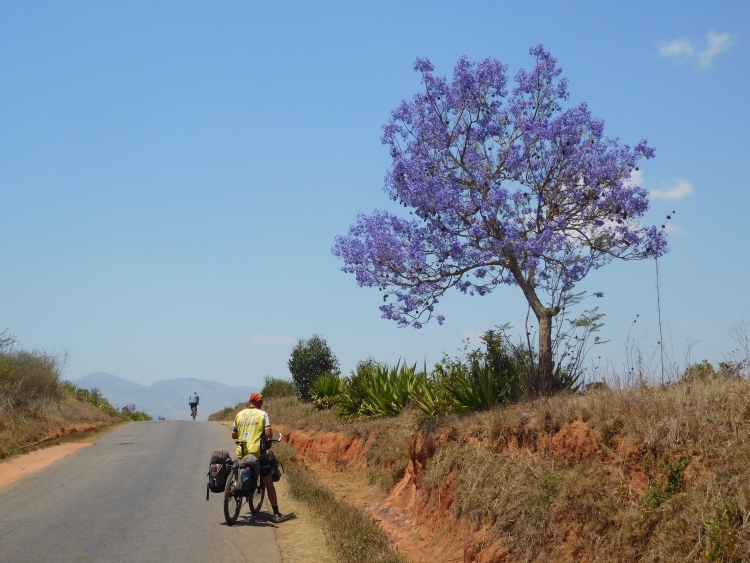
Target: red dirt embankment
(420,519)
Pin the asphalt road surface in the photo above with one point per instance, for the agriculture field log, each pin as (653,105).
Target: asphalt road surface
(138,494)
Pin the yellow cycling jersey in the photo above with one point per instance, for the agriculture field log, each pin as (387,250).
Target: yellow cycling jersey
(250,424)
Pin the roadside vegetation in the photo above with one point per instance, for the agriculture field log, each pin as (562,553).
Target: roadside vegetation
(650,472)
(352,534)
(37,405)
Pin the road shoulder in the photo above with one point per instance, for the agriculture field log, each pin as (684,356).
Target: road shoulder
(301,538)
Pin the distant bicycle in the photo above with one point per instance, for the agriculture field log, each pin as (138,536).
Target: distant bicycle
(193,402)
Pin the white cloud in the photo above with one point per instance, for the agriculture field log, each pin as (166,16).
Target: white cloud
(675,230)
(716,43)
(636,178)
(470,336)
(265,340)
(678,191)
(676,48)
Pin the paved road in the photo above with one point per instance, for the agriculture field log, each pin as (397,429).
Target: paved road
(138,494)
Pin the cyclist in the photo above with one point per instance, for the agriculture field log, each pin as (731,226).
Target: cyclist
(193,402)
(251,425)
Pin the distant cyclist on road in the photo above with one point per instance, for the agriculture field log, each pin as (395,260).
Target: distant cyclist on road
(193,402)
(251,425)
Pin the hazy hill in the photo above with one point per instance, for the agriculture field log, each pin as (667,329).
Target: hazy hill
(167,398)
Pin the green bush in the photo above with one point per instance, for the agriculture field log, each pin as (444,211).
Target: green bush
(325,390)
(352,394)
(699,372)
(309,360)
(274,388)
(129,412)
(476,381)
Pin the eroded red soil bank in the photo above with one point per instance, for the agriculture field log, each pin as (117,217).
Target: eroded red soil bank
(420,520)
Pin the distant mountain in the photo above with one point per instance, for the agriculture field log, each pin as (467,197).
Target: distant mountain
(167,398)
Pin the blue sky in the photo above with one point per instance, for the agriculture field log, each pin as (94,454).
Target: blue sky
(172,174)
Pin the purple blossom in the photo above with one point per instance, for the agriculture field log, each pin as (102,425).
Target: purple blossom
(506,187)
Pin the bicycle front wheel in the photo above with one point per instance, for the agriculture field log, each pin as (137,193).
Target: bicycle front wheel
(232,501)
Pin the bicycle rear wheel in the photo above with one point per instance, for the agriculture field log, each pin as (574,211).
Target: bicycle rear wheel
(256,501)
(232,501)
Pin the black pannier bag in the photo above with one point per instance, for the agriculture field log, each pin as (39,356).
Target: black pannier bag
(275,469)
(218,471)
(247,472)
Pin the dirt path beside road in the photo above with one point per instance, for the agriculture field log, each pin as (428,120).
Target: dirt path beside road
(19,466)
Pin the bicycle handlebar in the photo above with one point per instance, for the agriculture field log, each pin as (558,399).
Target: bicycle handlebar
(279,439)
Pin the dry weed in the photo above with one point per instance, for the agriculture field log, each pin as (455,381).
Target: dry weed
(352,534)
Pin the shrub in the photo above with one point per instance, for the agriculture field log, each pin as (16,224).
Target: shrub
(26,376)
(699,372)
(227,413)
(672,477)
(477,381)
(723,534)
(352,394)
(274,387)
(129,412)
(325,390)
(309,360)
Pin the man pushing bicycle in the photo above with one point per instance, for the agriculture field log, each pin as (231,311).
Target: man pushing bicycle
(252,425)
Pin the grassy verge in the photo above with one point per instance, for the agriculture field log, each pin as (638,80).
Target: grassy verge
(352,534)
(650,473)
(36,404)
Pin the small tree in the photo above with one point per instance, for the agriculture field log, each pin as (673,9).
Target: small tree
(309,360)
(505,188)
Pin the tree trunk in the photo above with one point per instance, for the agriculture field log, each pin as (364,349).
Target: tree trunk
(544,384)
(546,362)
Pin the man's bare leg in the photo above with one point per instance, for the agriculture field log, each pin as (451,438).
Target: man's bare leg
(271,490)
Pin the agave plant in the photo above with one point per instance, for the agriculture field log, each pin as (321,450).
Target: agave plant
(430,397)
(325,390)
(388,390)
(480,389)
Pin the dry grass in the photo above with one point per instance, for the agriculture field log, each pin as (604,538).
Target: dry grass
(300,538)
(694,446)
(34,401)
(21,427)
(351,533)
(503,472)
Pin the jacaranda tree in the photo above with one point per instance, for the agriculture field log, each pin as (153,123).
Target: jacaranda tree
(504,187)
